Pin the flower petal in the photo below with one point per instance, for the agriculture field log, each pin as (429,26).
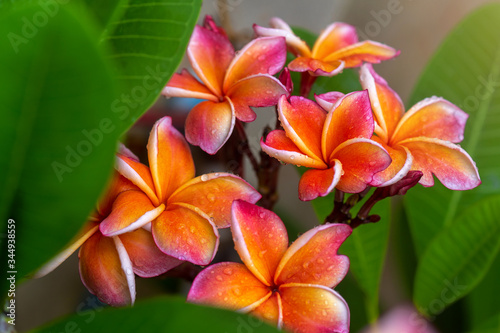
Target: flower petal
(313,308)
(259,91)
(319,183)
(315,66)
(433,117)
(313,258)
(260,239)
(401,163)
(137,173)
(147,260)
(131,210)
(270,311)
(263,55)
(367,51)
(386,104)
(328,100)
(101,271)
(87,231)
(213,194)
(183,234)
(278,145)
(361,159)
(118,184)
(210,54)
(228,285)
(170,159)
(126,265)
(351,117)
(185,85)
(451,164)
(336,36)
(210,124)
(303,120)
(279,28)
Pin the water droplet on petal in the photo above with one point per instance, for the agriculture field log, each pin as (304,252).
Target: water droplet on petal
(237,291)
(305,265)
(211,197)
(321,261)
(204,178)
(228,271)
(261,215)
(262,253)
(219,278)
(330,268)
(192,229)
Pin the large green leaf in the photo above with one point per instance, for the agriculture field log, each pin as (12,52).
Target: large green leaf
(160,315)
(466,71)
(57,129)
(491,325)
(147,40)
(458,257)
(480,304)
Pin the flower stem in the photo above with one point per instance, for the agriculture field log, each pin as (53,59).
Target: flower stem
(306,82)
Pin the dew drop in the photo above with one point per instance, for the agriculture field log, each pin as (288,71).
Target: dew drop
(225,299)
(214,131)
(203,241)
(261,215)
(330,268)
(228,271)
(237,291)
(129,272)
(324,313)
(204,178)
(292,157)
(211,197)
(305,265)
(219,278)
(321,261)
(180,226)
(219,293)
(261,57)
(192,229)
(262,253)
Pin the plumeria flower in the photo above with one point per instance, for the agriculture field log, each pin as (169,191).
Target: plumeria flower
(423,138)
(184,212)
(336,145)
(230,83)
(402,319)
(287,286)
(336,48)
(108,264)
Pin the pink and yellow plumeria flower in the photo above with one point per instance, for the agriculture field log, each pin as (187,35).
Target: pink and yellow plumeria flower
(108,264)
(336,48)
(231,83)
(423,138)
(287,286)
(184,212)
(336,145)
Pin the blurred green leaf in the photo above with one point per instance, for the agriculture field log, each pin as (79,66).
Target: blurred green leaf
(160,315)
(466,71)
(491,325)
(57,129)
(480,304)
(147,40)
(458,257)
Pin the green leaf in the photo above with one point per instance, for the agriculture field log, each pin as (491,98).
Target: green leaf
(458,257)
(160,315)
(466,71)
(480,304)
(491,325)
(147,40)
(57,129)
(366,249)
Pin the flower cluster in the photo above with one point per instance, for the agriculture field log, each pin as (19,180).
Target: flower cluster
(155,217)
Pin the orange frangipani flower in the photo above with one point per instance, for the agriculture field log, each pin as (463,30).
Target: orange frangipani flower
(289,287)
(184,212)
(336,145)
(423,138)
(231,83)
(108,264)
(336,48)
